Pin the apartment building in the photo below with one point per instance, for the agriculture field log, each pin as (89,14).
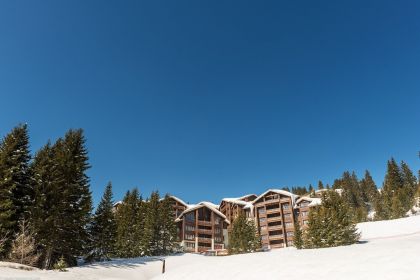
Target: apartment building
(303,206)
(232,207)
(274,218)
(178,206)
(202,227)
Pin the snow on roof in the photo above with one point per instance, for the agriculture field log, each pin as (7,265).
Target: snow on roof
(279,191)
(117,203)
(313,201)
(239,201)
(213,207)
(179,200)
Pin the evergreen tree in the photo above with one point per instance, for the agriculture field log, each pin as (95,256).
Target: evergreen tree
(244,237)
(16,194)
(130,226)
(103,229)
(369,189)
(299,190)
(62,206)
(310,189)
(354,195)
(320,185)
(152,227)
(331,224)
(298,239)
(168,231)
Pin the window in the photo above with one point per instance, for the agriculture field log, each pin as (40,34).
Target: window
(290,233)
(272,207)
(217,230)
(304,204)
(216,220)
(263,228)
(290,243)
(189,236)
(304,213)
(218,239)
(190,217)
(275,232)
(189,228)
(264,237)
(273,224)
(262,220)
(261,210)
(288,224)
(287,216)
(286,206)
(190,245)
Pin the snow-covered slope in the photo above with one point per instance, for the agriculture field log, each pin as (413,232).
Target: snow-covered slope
(390,251)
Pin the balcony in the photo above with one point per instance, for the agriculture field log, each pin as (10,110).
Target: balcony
(276,227)
(276,237)
(274,219)
(204,223)
(204,240)
(205,231)
(274,210)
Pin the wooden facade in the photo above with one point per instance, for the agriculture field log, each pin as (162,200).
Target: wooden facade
(202,228)
(232,207)
(303,206)
(178,206)
(274,218)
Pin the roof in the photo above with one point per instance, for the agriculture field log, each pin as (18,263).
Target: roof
(117,203)
(213,207)
(279,191)
(313,201)
(239,201)
(179,200)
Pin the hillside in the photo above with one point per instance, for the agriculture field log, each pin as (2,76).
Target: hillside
(389,250)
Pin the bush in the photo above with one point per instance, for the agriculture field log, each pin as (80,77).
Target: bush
(60,265)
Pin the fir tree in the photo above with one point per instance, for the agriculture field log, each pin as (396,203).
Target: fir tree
(152,227)
(168,230)
(61,211)
(331,224)
(298,241)
(129,226)
(103,229)
(369,189)
(320,185)
(244,237)
(16,194)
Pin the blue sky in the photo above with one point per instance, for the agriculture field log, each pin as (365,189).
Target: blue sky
(212,99)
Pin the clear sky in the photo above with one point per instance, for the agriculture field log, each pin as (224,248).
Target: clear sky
(213,99)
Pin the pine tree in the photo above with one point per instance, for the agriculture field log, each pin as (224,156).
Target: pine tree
(130,226)
(244,237)
(331,224)
(63,203)
(152,227)
(320,185)
(369,189)
(168,230)
(409,187)
(103,229)
(16,194)
(298,241)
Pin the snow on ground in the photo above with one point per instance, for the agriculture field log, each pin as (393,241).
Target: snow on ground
(389,229)
(389,250)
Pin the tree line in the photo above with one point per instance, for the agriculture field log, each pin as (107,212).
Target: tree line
(46,208)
